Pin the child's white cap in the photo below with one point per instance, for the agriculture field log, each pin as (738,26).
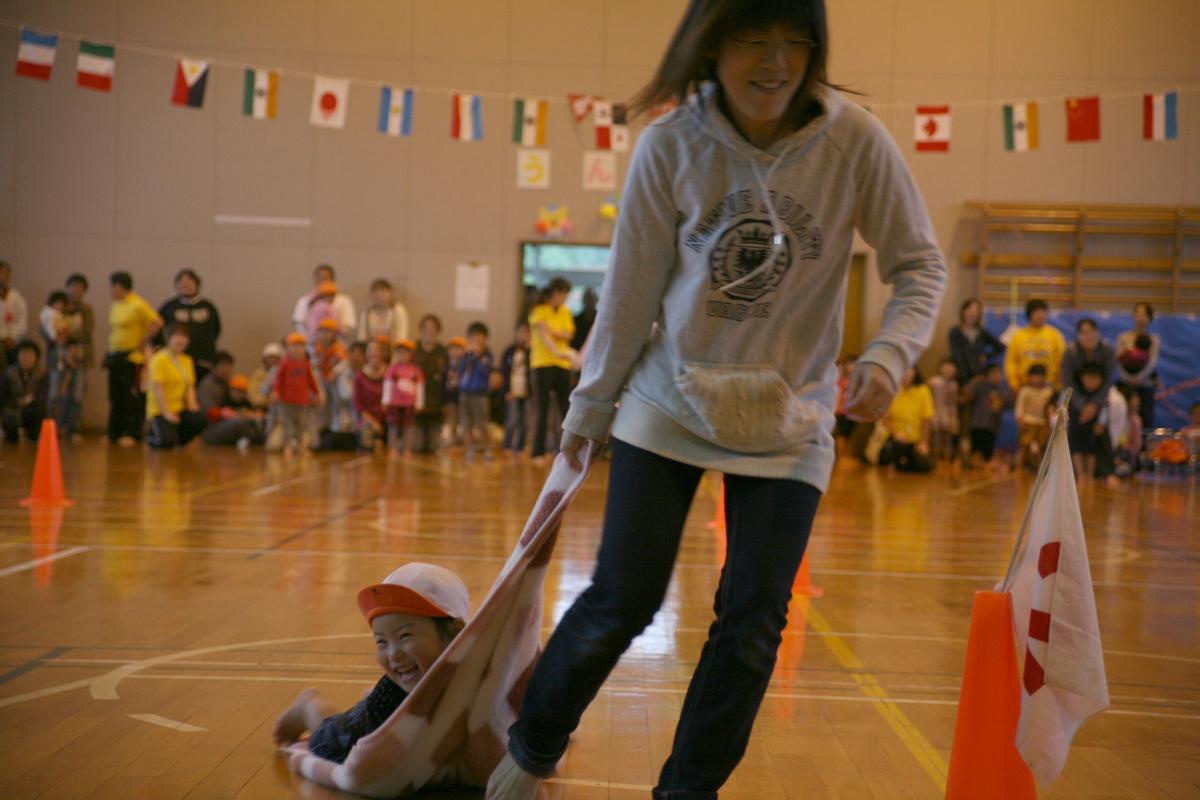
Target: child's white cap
(425,590)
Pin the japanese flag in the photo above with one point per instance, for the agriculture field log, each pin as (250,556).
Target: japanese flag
(932,129)
(329,102)
(1054,611)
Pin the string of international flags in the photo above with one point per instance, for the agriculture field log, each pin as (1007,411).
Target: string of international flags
(932,123)
(96,67)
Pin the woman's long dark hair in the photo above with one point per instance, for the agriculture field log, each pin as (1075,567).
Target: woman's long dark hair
(690,59)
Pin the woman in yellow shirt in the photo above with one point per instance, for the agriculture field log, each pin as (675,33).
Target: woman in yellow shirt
(132,324)
(908,420)
(550,357)
(175,417)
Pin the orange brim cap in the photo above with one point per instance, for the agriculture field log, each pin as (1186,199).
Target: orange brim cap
(296,338)
(388,598)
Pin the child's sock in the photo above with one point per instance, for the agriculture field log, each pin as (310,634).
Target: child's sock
(510,782)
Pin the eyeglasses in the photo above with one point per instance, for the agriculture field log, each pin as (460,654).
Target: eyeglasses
(761,48)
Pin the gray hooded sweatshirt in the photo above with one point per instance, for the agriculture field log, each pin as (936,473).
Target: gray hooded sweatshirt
(721,313)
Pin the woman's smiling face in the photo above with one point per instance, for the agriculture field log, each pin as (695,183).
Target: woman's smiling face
(406,646)
(760,71)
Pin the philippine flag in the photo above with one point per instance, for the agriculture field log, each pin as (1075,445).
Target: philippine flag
(191,79)
(36,54)
(466,118)
(1160,116)
(395,111)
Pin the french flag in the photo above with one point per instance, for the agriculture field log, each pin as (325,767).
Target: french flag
(466,121)
(36,54)
(1160,116)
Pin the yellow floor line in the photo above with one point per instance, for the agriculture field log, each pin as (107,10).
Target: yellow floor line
(924,752)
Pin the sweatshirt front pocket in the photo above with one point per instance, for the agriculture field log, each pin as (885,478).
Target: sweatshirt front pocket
(747,408)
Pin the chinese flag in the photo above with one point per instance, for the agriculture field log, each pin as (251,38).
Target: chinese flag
(1083,119)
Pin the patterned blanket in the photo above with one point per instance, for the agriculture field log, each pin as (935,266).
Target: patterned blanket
(453,728)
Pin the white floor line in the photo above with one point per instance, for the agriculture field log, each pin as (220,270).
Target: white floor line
(319,473)
(175,725)
(37,562)
(633,787)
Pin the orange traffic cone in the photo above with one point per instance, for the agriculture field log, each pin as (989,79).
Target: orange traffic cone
(984,763)
(47,489)
(803,583)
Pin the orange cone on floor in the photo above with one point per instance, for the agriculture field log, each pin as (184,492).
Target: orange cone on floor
(984,762)
(47,489)
(803,583)
(44,524)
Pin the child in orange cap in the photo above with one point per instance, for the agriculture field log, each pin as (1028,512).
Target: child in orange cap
(321,308)
(403,395)
(415,613)
(330,361)
(295,392)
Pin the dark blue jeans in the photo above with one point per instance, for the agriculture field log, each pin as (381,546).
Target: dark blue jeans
(767,522)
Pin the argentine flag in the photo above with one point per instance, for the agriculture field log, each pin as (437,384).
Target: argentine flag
(395,111)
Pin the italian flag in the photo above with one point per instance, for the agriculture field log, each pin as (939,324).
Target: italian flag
(1021,127)
(259,94)
(95,66)
(529,122)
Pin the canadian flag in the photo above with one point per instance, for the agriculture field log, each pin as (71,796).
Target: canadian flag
(1054,609)
(932,129)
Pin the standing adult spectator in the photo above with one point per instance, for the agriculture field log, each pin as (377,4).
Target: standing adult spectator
(132,326)
(1037,343)
(79,308)
(972,346)
(14,317)
(343,306)
(551,327)
(585,319)
(1137,362)
(200,316)
(386,316)
(1088,348)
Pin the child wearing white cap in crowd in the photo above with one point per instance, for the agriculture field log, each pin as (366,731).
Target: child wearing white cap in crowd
(415,613)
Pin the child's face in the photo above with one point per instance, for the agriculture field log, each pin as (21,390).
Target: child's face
(27,359)
(993,376)
(269,362)
(177,343)
(295,351)
(476,341)
(381,296)
(429,331)
(948,371)
(906,380)
(237,395)
(375,355)
(523,336)
(224,371)
(1037,381)
(455,351)
(406,647)
(356,357)
(1038,318)
(326,336)
(59,305)
(403,355)
(1091,383)
(75,291)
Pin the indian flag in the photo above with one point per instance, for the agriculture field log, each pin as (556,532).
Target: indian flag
(1021,127)
(529,122)
(260,89)
(95,66)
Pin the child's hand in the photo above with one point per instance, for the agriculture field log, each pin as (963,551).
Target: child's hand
(1098,429)
(290,725)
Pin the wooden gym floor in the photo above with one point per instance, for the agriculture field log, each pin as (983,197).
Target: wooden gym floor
(207,587)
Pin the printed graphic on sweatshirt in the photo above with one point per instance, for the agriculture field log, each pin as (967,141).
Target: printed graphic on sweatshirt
(746,264)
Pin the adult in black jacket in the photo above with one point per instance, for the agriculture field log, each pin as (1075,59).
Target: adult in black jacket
(972,346)
(199,315)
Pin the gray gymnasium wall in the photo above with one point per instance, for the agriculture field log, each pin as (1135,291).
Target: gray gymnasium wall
(94,182)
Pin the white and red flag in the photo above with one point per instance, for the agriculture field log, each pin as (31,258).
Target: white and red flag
(931,130)
(1054,610)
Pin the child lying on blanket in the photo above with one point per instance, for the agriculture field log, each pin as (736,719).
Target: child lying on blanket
(415,613)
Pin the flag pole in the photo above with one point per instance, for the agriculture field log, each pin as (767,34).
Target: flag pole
(1037,485)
